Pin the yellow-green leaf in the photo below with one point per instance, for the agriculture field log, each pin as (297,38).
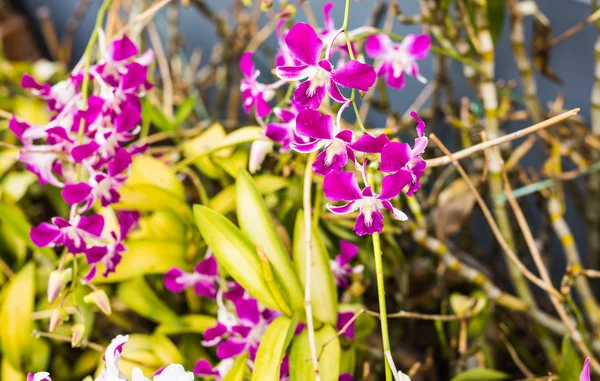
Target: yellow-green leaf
(9,373)
(481,374)
(301,368)
(14,220)
(254,220)
(272,349)
(148,170)
(165,350)
(236,373)
(147,197)
(15,317)
(138,296)
(234,252)
(323,288)
(199,148)
(187,324)
(224,201)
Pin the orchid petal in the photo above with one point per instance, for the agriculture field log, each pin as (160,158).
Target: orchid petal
(304,43)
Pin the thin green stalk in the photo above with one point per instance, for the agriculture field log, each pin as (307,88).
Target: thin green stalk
(385,335)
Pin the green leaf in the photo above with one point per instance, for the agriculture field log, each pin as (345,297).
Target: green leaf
(138,296)
(496,13)
(234,252)
(236,373)
(272,349)
(234,162)
(165,350)
(159,119)
(570,364)
(301,368)
(9,373)
(146,257)
(481,374)
(15,185)
(254,220)
(185,109)
(147,170)
(15,317)
(14,220)
(187,324)
(145,197)
(323,289)
(224,201)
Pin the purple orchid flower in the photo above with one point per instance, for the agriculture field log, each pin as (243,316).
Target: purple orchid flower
(340,266)
(306,46)
(343,319)
(585,373)
(203,279)
(343,186)
(283,57)
(285,132)
(338,144)
(254,93)
(72,234)
(112,253)
(329,33)
(405,162)
(397,59)
(39,376)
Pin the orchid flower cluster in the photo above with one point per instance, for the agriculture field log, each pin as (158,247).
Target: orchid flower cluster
(304,61)
(83,149)
(112,356)
(241,320)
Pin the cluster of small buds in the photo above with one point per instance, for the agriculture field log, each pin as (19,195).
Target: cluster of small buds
(304,61)
(83,149)
(111,372)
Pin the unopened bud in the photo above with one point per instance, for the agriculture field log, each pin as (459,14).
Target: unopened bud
(57,280)
(78,331)
(288,11)
(265,5)
(100,299)
(258,151)
(58,316)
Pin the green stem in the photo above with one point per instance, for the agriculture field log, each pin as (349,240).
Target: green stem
(385,335)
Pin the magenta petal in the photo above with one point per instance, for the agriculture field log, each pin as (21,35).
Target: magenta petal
(378,45)
(18,128)
(28,82)
(292,73)
(277,132)
(129,117)
(346,377)
(306,147)
(215,333)
(312,124)
(246,64)
(371,225)
(120,163)
(334,92)
(327,16)
(92,224)
(347,251)
(370,144)
(206,288)
(44,234)
(343,319)
(208,266)
(345,136)
(76,193)
(82,152)
(95,254)
(230,348)
(394,156)
(262,107)
(395,79)
(127,221)
(342,209)
(304,43)
(355,75)
(309,98)
(247,310)
(341,186)
(326,163)
(420,124)
(585,373)
(171,282)
(392,185)
(122,49)
(417,45)
(203,368)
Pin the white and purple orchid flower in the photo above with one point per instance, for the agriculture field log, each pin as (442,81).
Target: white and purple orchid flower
(343,186)
(73,234)
(204,279)
(322,79)
(585,372)
(405,163)
(395,60)
(339,147)
(343,319)
(340,266)
(39,376)
(254,94)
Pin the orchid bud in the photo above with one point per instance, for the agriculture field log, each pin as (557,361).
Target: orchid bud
(288,11)
(56,282)
(258,151)
(265,5)
(78,331)
(100,299)
(58,316)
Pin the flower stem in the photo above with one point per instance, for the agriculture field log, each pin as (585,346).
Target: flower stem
(385,335)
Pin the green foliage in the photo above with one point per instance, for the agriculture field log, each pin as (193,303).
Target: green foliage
(272,349)
(481,374)
(328,346)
